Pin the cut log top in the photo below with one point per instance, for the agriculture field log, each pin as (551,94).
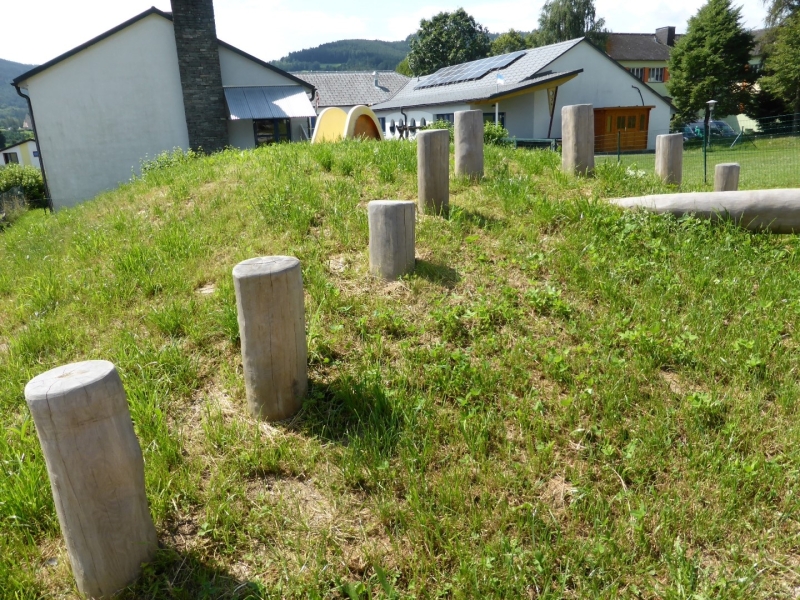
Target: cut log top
(264,265)
(390,202)
(66,378)
(74,396)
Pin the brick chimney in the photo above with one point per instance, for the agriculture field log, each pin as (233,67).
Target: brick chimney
(201,76)
(666,36)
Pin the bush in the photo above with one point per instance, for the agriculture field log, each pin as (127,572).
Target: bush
(167,159)
(494,134)
(442,125)
(28,178)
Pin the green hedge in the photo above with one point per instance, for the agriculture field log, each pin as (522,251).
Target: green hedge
(28,178)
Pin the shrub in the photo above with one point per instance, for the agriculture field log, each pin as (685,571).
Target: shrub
(494,134)
(442,125)
(168,159)
(27,178)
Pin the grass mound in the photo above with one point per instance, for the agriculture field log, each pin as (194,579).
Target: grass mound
(564,400)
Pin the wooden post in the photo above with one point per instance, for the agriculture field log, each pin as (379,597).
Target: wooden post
(726,177)
(96,472)
(469,143)
(391,238)
(577,133)
(433,171)
(269,301)
(669,158)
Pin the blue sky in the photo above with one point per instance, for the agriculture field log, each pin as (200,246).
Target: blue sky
(270,29)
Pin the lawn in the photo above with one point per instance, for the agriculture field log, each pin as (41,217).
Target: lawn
(765,163)
(564,400)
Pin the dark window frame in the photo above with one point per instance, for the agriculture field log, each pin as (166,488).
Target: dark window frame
(277,137)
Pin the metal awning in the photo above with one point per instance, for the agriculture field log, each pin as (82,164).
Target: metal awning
(268,102)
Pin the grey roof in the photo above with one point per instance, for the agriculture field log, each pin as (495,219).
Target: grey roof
(351,88)
(525,72)
(637,46)
(268,102)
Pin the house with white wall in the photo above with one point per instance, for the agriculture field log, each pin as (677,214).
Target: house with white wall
(157,82)
(526,90)
(22,153)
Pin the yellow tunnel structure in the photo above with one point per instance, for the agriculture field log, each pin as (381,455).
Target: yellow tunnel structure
(333,124)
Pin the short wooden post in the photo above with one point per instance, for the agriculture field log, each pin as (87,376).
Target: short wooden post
(271,312)
(96,472)
(469,143)
(726,177)
(577,139)
(669,158)
(391,238)
(433,171)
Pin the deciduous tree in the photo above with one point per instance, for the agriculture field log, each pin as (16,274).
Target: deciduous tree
(783,66)
(447,39)
(562,20)
(510,41)
(711,61)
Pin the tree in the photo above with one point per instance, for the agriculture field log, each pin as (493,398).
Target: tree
(780,10)
(711,61)
(447,39)
(2,140)
(562,20)
(403,68)
(510,41)
(783,67)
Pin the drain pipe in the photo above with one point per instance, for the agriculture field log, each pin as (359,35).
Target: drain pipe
(38,147)
(640,93)
(405,123)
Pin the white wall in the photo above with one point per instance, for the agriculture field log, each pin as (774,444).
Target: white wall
(99,112)
(519,112)
(604,84)
(427,112)
(240,71)
(241,134)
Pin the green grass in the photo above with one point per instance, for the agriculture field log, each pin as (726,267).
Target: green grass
(564,400)
(765,163)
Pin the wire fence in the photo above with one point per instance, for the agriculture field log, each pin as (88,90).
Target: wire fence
(768,152)
(10,201)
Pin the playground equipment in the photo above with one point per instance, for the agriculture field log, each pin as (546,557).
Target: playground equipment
(333,124)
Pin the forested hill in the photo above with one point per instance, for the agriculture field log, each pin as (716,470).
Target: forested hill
(12,107)
(347,55)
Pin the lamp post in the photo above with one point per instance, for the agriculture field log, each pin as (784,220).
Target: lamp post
(709,111)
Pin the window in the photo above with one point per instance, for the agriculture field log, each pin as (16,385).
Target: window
(641,123)
(392,128)
(423,122)
(656,75)
(632,122)
(382,121)
(489,118)
(620,122)
(449,117)
(269,131)
(638,72)
(11,158)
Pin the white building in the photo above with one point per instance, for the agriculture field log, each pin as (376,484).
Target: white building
(526,90)
(105,106)
(23,153)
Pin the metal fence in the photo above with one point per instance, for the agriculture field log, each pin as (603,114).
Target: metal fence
(768,152)
(11,201)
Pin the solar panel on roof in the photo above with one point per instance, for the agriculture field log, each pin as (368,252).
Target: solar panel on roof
(470,71)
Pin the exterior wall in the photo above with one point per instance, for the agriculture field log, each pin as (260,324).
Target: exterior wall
(604,84)
(240,134)
(427,112)
(100,112)
(25,152)
(240,71)
(660,88)
(519,112)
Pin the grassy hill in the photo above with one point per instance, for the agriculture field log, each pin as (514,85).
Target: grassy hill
(347,55)
(564,400)
(12,108)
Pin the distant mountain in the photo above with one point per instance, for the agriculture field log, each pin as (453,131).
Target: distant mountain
(12,108)
(347,55)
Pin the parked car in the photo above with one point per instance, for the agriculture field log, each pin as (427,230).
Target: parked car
(716,129)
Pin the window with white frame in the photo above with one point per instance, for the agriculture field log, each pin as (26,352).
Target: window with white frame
(637,72)
(656,75)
